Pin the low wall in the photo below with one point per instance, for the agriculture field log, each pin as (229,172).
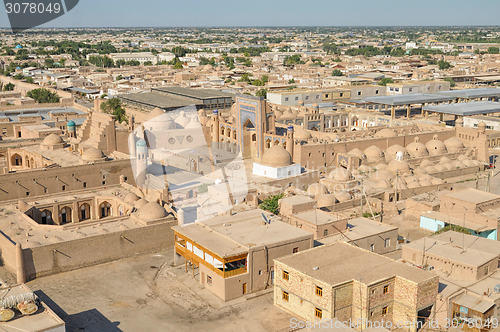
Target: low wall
(75,254)
(64,102)
(8,251)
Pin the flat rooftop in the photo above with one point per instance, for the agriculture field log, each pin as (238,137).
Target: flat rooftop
(43,320)
(467,223)
(466,109)
(316,217)
(415,98)
(297,199)
(340,262)
(195,93)
(157,100)
(229,236)
(468,249)
(359,228)
(472,196)
(472,93)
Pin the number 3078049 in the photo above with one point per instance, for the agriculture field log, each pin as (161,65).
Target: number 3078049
(32,8)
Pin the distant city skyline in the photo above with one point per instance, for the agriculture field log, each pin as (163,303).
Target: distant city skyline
(218,13)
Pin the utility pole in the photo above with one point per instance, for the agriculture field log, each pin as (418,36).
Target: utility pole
(381,211)
(361,200)
(396,188)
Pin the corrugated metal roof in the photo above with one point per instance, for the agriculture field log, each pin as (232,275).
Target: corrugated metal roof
(472,93)
(464,109)
(474,302)
(415,98)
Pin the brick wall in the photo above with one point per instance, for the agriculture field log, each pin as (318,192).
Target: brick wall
(75,254)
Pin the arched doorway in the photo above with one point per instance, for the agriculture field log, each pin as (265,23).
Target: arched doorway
(16,160)
(84,211)
(65,215)
(46,217)
(105,209)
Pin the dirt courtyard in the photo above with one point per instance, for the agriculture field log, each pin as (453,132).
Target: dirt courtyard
(145,293)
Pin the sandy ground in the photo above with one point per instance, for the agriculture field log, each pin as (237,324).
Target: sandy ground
(145,294)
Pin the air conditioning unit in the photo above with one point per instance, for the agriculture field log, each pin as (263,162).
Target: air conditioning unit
(497,288)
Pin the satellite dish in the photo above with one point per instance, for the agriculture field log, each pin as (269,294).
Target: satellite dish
(265,219)
(218,181)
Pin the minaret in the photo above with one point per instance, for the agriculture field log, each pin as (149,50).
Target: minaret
(215,127)
(141,162)
(289,140)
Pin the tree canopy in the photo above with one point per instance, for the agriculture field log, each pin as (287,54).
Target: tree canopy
(114,106)
(43,96)
(271,203)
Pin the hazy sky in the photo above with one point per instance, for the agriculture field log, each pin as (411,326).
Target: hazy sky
(168,13)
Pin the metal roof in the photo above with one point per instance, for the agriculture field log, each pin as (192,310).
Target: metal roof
(415,98)
(472,93)
(84,90)
(474,302)
(465,109)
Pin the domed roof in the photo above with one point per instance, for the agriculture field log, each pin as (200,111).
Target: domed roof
(386,133)
(93,154)
(445,160)
(154,113)
(374,154)
(130,198)
(182,119)
(425,183)
(382,174)
(207,67)
(436,147)
(390,152)
(193,124)
(18,47)
(343,197)
(152,211)
(301,134)
(71,123)
(417,149)
(52,139)
(357,153)
(141,142)
(161,121)
(340,174)
(398,166)
(325,200)
(426,162)
(413,184)
(140,203)
(317,189)
(276,156)
(437,181)
(453,145)
(287,114)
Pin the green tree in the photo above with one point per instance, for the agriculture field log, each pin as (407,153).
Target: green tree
(291,81)
(443,65)
(114,106)
(271,203)
(62,62)
(337,72)
(119,77)
(30,80)
(9,87)
(385,81)
(43,96)
(18,76)
(452,82)
(261,93)
(49,63)
(493,50)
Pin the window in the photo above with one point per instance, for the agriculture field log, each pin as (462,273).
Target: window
(373,291)
(85,185)
(341,95)
(307,97)
(103,183)
(286,99)
(318,313)
(386,289)
(295,250)
(27,193)
(286,276)
(486,269)
(285,296)
(384,311)
(319,291)
(317,96)
(209,280)
(376,92)
(387,242)
(325,232)
(296,98)
(372,247)
(260,272)
(359,93)
(63,188)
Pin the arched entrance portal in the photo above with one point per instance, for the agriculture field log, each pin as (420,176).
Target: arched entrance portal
(249,139)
